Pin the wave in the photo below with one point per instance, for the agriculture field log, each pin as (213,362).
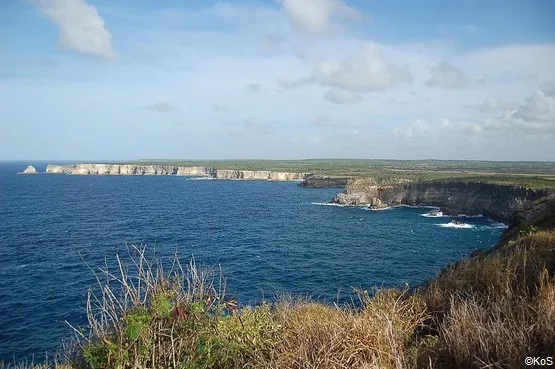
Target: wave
(471,216)
(416,206)
(438,215)
(452,225)
(329,204)
(497,225)
(199,179)
(379,209)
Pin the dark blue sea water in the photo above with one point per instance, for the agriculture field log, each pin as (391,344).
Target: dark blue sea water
(267,237)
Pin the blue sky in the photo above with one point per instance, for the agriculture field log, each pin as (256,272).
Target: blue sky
(277,79)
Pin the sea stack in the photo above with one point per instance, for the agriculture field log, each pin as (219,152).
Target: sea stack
(29,170)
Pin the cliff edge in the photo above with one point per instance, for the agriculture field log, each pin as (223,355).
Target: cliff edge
(131,169)
(499,202)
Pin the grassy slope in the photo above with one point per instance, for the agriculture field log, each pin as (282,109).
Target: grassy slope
(530,174)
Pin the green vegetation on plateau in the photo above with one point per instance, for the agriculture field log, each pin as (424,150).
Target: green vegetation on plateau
(528,174)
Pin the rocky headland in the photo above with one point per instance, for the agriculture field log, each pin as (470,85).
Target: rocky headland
(133,169)
(499,202)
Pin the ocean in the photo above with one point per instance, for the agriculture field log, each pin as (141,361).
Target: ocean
(267,237)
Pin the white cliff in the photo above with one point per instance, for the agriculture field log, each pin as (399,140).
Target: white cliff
(131,169)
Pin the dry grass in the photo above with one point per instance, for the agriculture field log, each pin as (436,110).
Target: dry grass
(499,308)
(380,335)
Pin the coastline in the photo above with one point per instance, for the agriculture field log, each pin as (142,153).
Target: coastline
(500,202)
(484,267)
(150,169)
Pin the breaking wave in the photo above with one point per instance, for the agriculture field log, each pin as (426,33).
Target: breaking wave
(380,209)
(460,226)
(329,204)
(439,215)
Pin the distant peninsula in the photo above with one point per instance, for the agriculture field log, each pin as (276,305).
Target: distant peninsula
(153,169)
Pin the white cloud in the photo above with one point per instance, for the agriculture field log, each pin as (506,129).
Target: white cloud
(446,75)
(318,17)
(342,97)
(418,128)
(532,119)
(364,71)
(464,127)
(288,84)
(81,27)
(539,108)
(495,105)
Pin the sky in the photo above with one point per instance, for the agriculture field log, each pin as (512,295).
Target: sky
(277,79)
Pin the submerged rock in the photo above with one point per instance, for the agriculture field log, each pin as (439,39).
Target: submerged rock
(29,170)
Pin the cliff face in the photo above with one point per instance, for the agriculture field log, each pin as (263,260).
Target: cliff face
(315,181)
(257,174)
(499,202)
(128,169)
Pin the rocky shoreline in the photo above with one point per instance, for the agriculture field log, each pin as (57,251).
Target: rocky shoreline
(132,169)
(498,202)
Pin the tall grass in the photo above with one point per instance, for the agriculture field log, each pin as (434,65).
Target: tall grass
(145,317)
(494,310)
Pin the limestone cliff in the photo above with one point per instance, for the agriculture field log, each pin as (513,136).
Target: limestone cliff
(258,174)
(499,202)
(318,181)
(127,169)
(131,169)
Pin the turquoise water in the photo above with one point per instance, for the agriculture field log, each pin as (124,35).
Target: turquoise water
(268,237)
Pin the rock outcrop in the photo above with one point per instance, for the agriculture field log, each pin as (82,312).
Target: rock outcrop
(318,182)
(499,202)
(257,174)
(29,170)
(131,169)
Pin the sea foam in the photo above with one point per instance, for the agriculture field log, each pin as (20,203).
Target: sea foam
(329,204)
(379,209)
(452,225)
(440,215)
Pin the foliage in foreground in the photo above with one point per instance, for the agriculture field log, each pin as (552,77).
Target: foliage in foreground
(489,311)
